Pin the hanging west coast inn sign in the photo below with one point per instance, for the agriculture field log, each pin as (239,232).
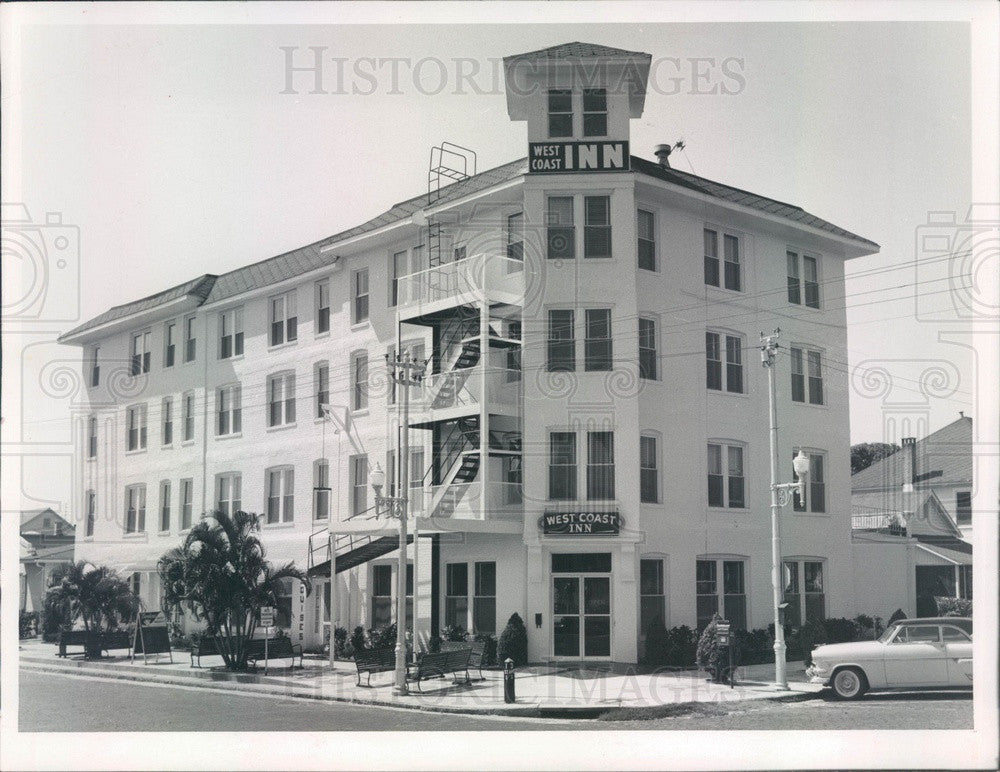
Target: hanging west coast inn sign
(578,156)
(580,523)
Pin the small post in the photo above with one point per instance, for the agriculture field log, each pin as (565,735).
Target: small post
(508,681)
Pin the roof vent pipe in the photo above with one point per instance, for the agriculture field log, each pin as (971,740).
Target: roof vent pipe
(909,463)
(662,153)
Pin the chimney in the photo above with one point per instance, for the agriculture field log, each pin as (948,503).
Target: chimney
(909,463)
(662,153)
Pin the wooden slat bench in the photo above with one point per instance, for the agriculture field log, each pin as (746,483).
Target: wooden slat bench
(115,639)
(374,661)
(72,638)
(441,663)
(277,648)
(475,658)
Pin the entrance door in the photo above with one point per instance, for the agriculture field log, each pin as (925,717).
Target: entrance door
(933,581)
(581,613)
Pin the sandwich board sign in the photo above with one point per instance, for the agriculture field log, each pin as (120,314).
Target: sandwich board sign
(151,636)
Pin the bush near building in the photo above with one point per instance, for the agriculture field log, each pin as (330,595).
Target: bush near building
(513,642)
(954,607)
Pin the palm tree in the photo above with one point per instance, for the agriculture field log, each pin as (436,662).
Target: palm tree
(221,576)
(96,595)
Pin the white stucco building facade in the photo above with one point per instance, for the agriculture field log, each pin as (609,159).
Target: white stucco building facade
(590,444)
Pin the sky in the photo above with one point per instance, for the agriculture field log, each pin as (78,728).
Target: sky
(178,150)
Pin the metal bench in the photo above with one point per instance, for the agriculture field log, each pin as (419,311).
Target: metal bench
(374,661)
(475,659)
(205,647)
(441,663)
(72,638)
(113,639)
(277,648)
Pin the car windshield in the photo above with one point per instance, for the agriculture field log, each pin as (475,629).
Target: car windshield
(889,631)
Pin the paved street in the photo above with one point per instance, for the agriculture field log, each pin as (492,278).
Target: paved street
(53,702)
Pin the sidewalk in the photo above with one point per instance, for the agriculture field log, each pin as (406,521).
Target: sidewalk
(539,688)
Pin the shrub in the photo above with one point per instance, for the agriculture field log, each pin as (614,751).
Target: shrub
(513,642)
(28,624)
(811,634)
(339,640)
(753,647)
(383,637)
(489,642)
(896,616)
(864,627)
(358,642)
(840,630)
(713,657)
(453,633)
(434,644)
(953,607)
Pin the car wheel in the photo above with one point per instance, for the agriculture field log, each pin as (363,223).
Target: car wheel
(849,683)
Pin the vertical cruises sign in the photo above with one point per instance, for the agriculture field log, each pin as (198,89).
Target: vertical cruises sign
(549,157)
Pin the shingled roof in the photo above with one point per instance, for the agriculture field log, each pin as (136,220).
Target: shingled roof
(210,288)
(575,50)
(943,457)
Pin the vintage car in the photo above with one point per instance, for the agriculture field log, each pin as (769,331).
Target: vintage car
(925,653)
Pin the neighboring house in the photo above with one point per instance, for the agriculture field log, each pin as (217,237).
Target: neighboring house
(47,541)
(911,519)
(589,447)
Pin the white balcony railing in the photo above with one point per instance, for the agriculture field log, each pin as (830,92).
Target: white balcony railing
(476,275)
(464,501)
(463,387)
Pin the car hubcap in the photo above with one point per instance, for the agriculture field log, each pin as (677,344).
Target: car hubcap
(847,682)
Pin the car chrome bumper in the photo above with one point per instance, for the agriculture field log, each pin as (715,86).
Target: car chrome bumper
(817,676)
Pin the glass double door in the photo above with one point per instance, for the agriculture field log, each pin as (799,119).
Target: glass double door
(581,614)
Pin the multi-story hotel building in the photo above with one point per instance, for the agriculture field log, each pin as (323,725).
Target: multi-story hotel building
(589,446)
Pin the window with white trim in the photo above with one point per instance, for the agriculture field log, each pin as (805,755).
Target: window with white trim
(726,483)
(231,333)
(816,487)
(187,503)
(229,412)
(167,421)
(322,306)
(188,417)
(648,355)
(321,489)
(595,112)
(359,380)
(515,236)
(562,466)
(284,319)
(803,279)
(281,399)
(228,492)
(963,508)
(359,484)
(730,275)
(646,226)
(652,599)
(484,602)
(560,104)
(169,343)
(136,427)
(135,508)
(359,302)
(280,493)
(381,595)
(729,595)
(164,506)
(600,466)
(456,601)
(95,366)
(561,350)
(559,229)
(597,346)
(649,472)
(596,226)
(190,339)
(807,375)
(719,375)
(322,387)
(803,591)
(140,352)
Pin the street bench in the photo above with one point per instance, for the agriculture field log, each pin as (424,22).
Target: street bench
(374,661)
(117,639)
(72,638)
(441,663)
(205,647)
(277,648)
(475,658)
(114,639)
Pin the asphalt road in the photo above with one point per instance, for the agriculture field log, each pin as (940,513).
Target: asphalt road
(53,702)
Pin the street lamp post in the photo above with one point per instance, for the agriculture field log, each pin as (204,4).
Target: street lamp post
(406,372)
(780,495)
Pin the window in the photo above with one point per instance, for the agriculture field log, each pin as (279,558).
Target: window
(816,497)
(560,232)
(322,307)
(600,466)
(597,226)
(186,503)
(284,321)
(322,387)
(359,381)
(597,345)
(283,604)
(190,340)
(140,352)
(399,270)
(562,466)
(229,413)
(165,506)
(652,600)
(965,582)
(733,594)
(726,486)
(649,474)
(648,357)
(381,595)
(360,305)
(814,381)
(560,113)
(92,437)
(169,344)
(135,509)
(231,333)
(167,420)
(729,378)
(805,606)
(647,240)
(456,602)
(95,366)
(484,602)
(91,513)
(321,490)
(561,343)
(281,399)
(188,416)
(809,273)
(137,427)
(417,472)
(515,236)
(731,274)
(963,508)
(359,484)
(595,112)
(228,492)
(280,495)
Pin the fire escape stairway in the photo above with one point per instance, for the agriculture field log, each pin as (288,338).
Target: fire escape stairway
(448,385)
(351,550)
(450,494)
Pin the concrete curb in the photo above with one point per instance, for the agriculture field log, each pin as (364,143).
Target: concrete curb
(253,684)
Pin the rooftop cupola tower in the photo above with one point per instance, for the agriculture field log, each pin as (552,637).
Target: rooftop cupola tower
(578,99)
